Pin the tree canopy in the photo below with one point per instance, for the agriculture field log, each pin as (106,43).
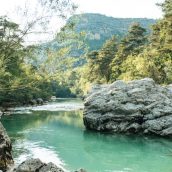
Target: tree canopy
(68,68)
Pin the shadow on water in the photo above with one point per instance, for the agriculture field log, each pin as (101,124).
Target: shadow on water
(19,122)
(121,139)
(129,153)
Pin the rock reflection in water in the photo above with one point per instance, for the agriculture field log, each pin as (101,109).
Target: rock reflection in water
(60,137)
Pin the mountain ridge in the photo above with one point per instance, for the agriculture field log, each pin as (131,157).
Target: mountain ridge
(98,28)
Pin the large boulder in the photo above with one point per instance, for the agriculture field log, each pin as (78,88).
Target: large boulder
(35,165)
(139,106)
(6,159)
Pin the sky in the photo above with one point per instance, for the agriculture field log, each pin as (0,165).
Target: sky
(114,8)
(122,8)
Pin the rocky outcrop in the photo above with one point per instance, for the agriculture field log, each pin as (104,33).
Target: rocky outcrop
(5,149)
(80,170)
(38,101)
(139,106)
(35,165)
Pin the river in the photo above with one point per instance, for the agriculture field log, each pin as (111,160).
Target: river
(55,133)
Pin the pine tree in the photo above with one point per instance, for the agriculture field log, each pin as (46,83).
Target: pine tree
(99,61)
(105,58)
(132,44)
(161,42)
(92,66)
(162,31)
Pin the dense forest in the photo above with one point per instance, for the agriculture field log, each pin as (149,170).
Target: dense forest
(98,28)
(78,58)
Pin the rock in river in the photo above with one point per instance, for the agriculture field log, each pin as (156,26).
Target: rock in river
(5,149)
(35,165)
(139,106)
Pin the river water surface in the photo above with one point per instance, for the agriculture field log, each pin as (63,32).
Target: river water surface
(55,133)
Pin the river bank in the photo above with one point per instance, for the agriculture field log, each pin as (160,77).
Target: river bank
(45,106)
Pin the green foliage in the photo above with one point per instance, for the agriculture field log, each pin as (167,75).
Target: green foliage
(161,41)
(83,53)
(19,81)
(162,31)
(132,44)
(99,28)
(99,62)
(137,55)
(140,66)
(78,37)
(88,32)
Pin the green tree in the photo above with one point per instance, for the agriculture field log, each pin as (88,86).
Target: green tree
(132,44)
(162,31)
(156,59)
(99,61)
(161,41)
(92,67)
(105,57)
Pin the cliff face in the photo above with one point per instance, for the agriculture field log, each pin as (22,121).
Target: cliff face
(5,149)
(138,106)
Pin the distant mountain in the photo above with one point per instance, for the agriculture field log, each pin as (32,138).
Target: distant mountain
(97,28)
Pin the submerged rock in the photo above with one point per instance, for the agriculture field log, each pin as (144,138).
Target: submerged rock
(33,102)
(5,149)
(80,170)
(35,165)
(40,101)
(139,106)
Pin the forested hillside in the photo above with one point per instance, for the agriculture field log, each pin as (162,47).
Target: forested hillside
(89,49)
(86,32)
(98,28)
(136,55)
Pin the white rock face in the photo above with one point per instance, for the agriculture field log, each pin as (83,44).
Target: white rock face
(139,106)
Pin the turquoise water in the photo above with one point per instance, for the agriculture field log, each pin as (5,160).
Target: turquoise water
(60,137)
